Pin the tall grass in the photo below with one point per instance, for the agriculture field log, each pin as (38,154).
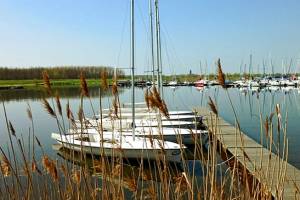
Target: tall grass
(206,171)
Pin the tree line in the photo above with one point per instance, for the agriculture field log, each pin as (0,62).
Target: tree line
(65,72)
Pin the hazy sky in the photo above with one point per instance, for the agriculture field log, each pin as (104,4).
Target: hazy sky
(96,32)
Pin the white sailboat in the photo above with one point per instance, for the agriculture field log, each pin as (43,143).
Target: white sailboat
(274,82)
(118,145)
(144,110)
(153,115)
(129,123)
(253,83)
(173,83)
(121,146)
(178,135)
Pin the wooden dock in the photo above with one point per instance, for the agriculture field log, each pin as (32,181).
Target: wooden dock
(273,174)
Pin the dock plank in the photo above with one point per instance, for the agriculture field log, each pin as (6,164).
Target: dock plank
(265,166)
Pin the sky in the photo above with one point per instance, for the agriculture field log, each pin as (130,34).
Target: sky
(96,32)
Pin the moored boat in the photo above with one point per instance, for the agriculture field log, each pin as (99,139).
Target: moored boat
(121,146)
(178,135)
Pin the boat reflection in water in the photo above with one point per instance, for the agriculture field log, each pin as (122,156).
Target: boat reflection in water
(139,178)
(136,177)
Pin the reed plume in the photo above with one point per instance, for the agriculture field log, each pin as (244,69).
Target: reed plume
(150,99)
(115,107)
(104,82)
(116,170)
(46,81)
(181,184)
(58,104)
(83,85)
(76,176)
(267,126)
(164,109)
(278,117)
(34,167)
(64,170)
(69,113)
(5,166)
(212,106)
(48,108)
(38,141)
(155,93)
(53,171)
(114,88)
(221,75)
(278,110)
(116,98)
(11,128)
(156,98)
(46,162)
(132,185)
(50,167)
(157,102)
(68,110)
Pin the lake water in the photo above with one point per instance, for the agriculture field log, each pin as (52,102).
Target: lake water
(248,105)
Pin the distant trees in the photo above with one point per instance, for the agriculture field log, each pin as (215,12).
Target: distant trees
(65,72)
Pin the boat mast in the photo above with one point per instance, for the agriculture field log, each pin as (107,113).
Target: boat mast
(132,67)
(241,66)
(250,67)
(158,48)
(264,68)
(206,69)
(151,34)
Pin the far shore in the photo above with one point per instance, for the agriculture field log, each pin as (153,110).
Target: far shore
(30,84)
(38,83)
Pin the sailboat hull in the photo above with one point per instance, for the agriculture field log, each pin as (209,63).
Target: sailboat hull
(184,136)
(127,147)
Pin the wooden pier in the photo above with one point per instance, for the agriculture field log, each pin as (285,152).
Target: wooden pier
(272,173)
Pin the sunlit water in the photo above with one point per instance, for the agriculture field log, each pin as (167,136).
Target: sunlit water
(247,104)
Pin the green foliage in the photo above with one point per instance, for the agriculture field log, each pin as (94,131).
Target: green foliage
(64,72)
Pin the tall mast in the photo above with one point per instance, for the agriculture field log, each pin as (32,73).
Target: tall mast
(200,69)
(205,69)
(158,47)
(151,34)
(282,66)
(264,68)
(132,67)
(241,66)
(250,66)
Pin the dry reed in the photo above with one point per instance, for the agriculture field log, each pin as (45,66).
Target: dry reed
(114,88)
(83,85)
(5,166)
(58,104)
(46,82)
(155,101)
(12,129)
(221,75)
(104,82)
(212,106)
(48,108)
(159,185)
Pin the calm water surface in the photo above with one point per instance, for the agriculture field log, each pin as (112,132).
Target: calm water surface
(248,105)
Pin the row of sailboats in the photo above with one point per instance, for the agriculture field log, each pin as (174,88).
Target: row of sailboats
(139,132)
